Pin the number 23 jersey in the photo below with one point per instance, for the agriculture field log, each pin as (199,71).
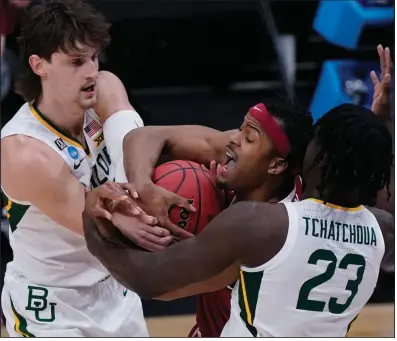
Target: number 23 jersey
(44,251)
(319,281)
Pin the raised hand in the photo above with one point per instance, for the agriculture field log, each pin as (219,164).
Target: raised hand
(381,104)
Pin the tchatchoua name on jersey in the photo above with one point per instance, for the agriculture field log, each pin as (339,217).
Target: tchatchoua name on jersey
(334,230)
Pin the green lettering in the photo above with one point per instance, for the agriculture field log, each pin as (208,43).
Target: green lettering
(323,228)
(37,302)
(359,234)
(337,230)
(307,224)
(344,238)
(373,237)
(366,235)
(314,233)
(331,232)
(352,234)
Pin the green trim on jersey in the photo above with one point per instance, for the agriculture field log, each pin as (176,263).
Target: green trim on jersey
(248,293)
(21,325)
(54,126)
(15,211)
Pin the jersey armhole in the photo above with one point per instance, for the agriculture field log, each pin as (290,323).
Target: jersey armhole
(293,224)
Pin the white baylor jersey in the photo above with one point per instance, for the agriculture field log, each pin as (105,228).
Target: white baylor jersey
(45,252)
(316,285)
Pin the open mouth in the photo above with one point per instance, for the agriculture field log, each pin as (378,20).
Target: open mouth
(89,88)
(230,161)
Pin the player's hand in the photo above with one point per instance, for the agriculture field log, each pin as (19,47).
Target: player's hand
(381,104)
(215,168)
(151,238)
(103,200)
(157,201)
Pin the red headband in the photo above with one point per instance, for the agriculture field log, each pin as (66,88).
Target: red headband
(271,128)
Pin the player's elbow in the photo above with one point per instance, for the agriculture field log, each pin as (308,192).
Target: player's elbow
(147,290)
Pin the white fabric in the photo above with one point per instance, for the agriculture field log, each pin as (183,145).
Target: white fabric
(115,128)
(265,303)
(106,309)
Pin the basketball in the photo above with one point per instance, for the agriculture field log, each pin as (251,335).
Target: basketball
(195,183)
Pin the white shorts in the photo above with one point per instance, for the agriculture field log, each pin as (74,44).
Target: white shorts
(106,309)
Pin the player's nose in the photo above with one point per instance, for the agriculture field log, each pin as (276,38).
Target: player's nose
(92,70)
(235,139)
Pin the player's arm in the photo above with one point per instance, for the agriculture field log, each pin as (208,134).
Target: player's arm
(117,115)
(381,106)
(196,143)
(33,172)
(142,148)
(387,225)
(207,262)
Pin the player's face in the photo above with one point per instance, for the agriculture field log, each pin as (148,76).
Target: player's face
(71,77)
(248,158)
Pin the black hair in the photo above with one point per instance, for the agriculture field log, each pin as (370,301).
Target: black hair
(56,25)
(356,152)
(297,125)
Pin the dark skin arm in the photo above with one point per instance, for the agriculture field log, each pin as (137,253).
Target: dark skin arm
(242,234)
(196,143)
(386,223)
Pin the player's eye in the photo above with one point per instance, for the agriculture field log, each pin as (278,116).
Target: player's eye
(77,62)
(247,138)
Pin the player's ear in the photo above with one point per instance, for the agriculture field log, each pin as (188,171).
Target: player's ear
(277,166)
(37,64)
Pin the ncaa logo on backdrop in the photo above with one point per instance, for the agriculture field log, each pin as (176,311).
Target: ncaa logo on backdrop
(74,154)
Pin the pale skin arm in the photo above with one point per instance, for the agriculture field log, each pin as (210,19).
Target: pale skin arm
(26,176)
(112,96)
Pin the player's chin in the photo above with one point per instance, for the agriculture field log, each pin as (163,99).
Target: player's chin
(221,182)
(88,103)
(226,183)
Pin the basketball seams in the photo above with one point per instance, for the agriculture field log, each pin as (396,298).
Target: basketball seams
(219,194)
(168,176)
(199,195)
(170,172)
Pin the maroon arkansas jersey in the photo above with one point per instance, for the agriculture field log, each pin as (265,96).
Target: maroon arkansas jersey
(213,308)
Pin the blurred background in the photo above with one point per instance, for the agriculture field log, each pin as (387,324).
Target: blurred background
(206,62)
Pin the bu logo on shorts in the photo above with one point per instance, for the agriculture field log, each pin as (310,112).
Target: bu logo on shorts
(37,302)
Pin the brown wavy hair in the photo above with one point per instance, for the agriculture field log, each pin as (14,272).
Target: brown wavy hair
(49,26)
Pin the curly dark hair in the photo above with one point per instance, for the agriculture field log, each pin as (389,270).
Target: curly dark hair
(357,151)
(49,26)
(297,125)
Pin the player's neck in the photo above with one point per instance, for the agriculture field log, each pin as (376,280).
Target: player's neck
(274,190)
(67,117)
(341,197)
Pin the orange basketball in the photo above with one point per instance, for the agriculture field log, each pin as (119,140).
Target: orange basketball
(195,183)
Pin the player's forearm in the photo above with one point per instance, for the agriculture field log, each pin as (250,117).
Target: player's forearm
(142,148)
(126,263)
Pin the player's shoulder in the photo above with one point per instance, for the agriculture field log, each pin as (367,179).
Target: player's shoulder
(261,227)
(385,219)
(25,154)
(265,216)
